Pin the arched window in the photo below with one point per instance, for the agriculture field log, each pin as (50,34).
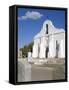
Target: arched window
(47,50)
(57,45)
(46,28)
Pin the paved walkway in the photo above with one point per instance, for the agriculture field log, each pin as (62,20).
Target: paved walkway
(52,69)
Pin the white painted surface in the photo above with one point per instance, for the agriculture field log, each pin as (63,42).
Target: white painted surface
(52,47)
(62,49)
(48,40)
(35,50)
(29,56)
(24,70)
(42,50)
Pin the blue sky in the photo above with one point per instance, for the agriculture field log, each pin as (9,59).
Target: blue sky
(30,22)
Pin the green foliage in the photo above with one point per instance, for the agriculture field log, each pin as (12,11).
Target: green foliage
(26,49)
(30,47)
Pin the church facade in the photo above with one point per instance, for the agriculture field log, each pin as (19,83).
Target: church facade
(49,42)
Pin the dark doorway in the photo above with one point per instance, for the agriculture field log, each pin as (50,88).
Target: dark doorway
(57,48)
(38,51)
(47,50)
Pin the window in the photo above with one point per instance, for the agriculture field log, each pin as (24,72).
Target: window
(57,45)
(47,50)
(46,28)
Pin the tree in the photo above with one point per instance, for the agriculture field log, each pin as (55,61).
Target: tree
(30,47)
(26,49)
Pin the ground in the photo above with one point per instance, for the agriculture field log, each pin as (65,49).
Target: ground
(50,69)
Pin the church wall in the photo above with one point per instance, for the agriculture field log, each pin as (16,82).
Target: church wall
(43,40)
(35,50)
(52,49)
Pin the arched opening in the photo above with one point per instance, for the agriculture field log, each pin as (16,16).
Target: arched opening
(47,50)
(46,28)
(38,50)
(57,48)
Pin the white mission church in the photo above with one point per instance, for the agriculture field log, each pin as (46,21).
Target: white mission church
(49,42)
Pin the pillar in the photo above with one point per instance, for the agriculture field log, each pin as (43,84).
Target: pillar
(42,50)
(29,56)
(52,48)
(35,50)
(62,49)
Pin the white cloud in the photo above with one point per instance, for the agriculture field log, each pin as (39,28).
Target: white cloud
(31,15)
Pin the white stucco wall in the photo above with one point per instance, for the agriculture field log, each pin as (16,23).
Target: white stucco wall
(62,49)
(44,40)
(35,50)
(58,37)
(52,47)
(42,50)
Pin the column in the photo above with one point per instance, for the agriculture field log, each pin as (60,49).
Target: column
(52,48)
(62,49)
(35,50)
(42,50)
(29,56)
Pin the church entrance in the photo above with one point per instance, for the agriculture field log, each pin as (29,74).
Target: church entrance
(47,50)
